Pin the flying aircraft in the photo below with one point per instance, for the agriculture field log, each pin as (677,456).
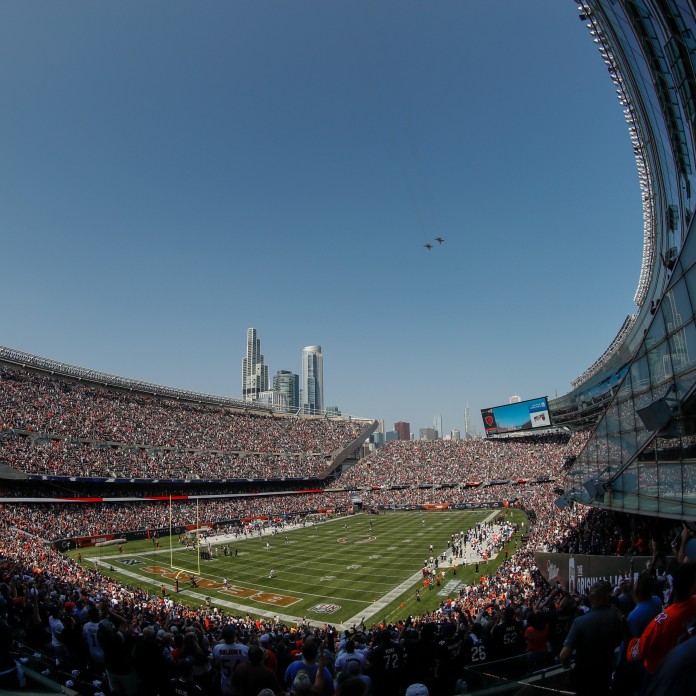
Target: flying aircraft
(439,240)
(428,246)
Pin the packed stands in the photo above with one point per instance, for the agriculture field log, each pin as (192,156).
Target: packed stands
(55,427)
(459,461)
(47,600)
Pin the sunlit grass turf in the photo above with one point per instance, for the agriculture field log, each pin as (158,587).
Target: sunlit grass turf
(321,565)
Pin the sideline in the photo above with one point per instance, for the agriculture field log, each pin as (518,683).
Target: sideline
(243,609)
(388,598)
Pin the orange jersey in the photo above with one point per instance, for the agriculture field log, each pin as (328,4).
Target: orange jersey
(663,633)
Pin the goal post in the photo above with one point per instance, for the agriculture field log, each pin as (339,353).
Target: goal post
(196,570)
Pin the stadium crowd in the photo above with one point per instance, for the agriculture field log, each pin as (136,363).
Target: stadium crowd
(104,637)
(506,623)
(64,457)
(36,403)
(428,462)
(57,521)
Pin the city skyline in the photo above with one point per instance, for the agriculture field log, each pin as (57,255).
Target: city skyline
(174,194)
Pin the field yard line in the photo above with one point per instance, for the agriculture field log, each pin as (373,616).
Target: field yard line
(380,604)
(244,609)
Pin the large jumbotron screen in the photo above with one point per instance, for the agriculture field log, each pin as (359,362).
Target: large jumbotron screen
(525,415)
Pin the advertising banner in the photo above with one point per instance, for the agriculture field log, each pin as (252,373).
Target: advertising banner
(577,572)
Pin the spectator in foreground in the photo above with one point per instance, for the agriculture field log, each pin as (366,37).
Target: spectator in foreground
(671,627)
(305,670)
(594,638)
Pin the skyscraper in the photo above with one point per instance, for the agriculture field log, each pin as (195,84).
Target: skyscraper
(312,390)
(288,384)
(427,434)
(404,430)
(254,372)
(437,424)
(468,430)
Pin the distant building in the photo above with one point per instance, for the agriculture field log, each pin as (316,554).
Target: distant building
(273,398)
(469,433)
(437,424)
(254,372)
(514,399)
(404,430)
(333,411)
(456,435)
(427,434)
(312,386)
(391,436)
(288,384)
(377,438)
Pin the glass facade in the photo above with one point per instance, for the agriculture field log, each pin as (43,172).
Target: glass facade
(642,455)
(254,371)
(312,390)
(288,384)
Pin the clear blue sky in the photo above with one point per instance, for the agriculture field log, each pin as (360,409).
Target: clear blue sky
(172,173)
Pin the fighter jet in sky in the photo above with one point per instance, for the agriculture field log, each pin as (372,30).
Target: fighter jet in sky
(439,240)
(428,246)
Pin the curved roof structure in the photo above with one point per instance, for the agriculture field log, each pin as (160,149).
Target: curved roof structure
(639,458)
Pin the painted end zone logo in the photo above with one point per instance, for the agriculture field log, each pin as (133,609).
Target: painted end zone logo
(231,590)
(325,608)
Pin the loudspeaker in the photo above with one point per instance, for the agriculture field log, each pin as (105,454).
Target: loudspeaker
(562,502)
(657,415)
(595,488)
(569,462)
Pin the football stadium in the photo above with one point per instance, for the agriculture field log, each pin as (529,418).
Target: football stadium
(155,540)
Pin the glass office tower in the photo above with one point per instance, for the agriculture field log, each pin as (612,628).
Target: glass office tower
(312,389)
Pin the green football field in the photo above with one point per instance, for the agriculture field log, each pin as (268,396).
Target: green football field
(324,573)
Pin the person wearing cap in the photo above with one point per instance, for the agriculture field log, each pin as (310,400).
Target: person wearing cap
(594,638)
(417,690)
